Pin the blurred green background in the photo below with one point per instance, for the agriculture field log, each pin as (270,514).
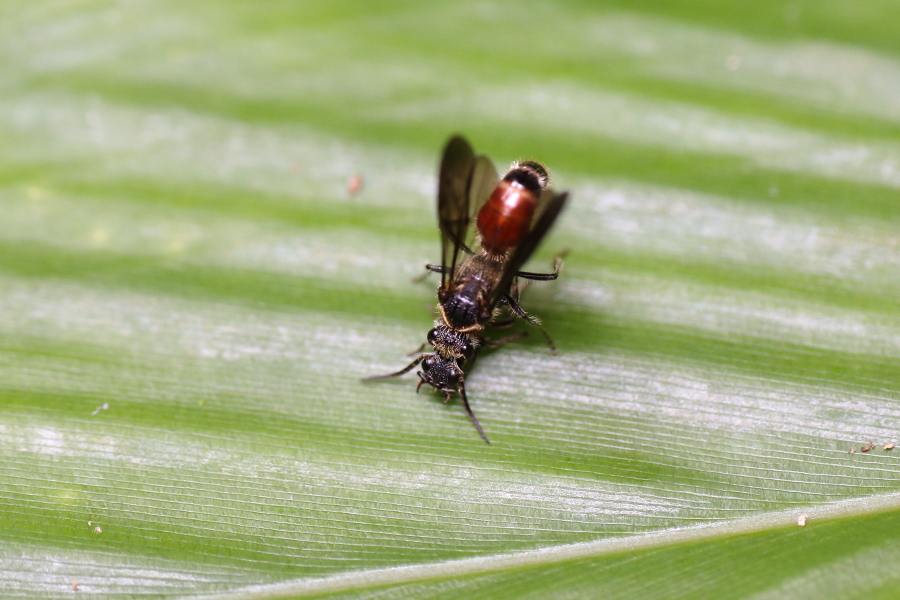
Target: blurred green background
(191,288)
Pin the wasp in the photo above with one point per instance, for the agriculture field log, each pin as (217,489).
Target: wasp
(479,277)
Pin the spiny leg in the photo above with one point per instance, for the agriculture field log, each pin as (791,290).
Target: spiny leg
(519,311)
(402,371)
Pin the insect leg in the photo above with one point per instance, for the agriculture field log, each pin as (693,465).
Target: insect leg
(417,350)
(537,276)
(402,371)
(504,340)
(520,312)
(557,267)
(428,270)
(503,323)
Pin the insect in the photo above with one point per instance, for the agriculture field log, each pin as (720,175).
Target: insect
(479,278)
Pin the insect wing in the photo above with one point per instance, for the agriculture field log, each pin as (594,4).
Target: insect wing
(552,208)
(454,183)
(484,180)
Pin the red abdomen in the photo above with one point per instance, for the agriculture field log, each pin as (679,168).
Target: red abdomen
(505,218)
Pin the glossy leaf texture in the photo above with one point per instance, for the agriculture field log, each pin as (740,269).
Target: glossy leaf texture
(210,217)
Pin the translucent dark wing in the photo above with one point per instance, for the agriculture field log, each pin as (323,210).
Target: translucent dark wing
(484,181)
(546,218)
(454,183)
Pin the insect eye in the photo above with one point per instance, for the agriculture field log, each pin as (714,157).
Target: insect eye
(432,335)
(467,350)
(427,364)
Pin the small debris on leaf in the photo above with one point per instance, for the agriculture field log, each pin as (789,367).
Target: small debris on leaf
(354,184)
(801,520)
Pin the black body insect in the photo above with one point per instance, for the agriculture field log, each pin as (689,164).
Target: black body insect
(512,215)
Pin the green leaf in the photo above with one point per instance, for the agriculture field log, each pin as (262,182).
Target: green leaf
(191,291)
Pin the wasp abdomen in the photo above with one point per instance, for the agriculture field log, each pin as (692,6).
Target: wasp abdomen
(505,219)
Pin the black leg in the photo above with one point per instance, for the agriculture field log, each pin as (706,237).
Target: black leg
(537,276)
(517,310)
(557,267)
(403,371)
(428,269)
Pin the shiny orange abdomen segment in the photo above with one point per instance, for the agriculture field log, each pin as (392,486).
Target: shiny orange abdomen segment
(505,218)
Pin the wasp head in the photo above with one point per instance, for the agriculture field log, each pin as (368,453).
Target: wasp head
(440,373)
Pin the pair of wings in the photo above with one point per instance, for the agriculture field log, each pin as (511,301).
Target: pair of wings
(465,184)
